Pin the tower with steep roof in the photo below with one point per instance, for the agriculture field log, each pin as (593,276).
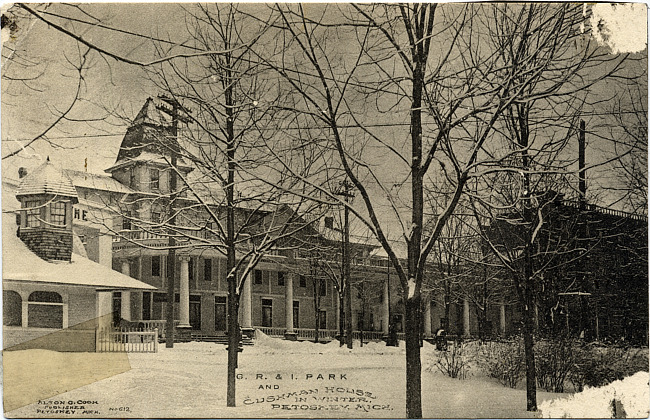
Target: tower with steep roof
(46,198)
(145,152)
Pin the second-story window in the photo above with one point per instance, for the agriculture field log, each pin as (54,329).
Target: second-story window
(126,220)
(57,213)
(155,178)
(280,278)
(258,277)
(303,281)
(207,269)
(155,266)
(33,213)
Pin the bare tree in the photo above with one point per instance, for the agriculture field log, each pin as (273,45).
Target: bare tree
(24,71)
(219,196)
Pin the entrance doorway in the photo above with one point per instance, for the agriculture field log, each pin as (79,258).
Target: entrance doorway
(195,312)
(117,308)
(220,317)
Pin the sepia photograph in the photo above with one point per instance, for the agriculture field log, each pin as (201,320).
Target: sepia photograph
(325,210)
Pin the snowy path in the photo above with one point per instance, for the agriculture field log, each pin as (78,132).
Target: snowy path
(189,381)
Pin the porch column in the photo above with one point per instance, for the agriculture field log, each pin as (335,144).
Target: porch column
(502,319)
(427,318)
(126,295)
(386,309)
(289,334)
(246,317)
(104,309)
(184,308)
(466,332)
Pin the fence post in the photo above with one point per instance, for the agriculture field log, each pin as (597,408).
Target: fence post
(155,341)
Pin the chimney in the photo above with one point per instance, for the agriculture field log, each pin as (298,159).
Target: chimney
(22,172)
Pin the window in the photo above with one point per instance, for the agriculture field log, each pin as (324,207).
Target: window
(296,314)
(146,306)
(155,217)
(267,312)
(258,277)
(303,281)
(322,288)
(280,278)
(207,269)
(329,222)
(157,311)
(12,309)
(45,310)
(126,220)
(155,266)
(33,213)
(155,178)
(322,320)
(359,321)
(57,213)
(190,269)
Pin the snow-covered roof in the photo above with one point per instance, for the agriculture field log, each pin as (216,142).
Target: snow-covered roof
(21,264)
(147,157)
(47,179)
(96,181)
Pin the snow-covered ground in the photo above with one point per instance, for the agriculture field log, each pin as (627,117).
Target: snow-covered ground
(278,378)
(630,397)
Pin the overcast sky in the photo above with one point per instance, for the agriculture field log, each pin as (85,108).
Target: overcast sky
(26,109)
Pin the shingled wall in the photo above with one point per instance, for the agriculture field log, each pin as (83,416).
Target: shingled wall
(49,244)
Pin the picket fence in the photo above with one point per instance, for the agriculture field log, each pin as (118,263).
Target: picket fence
(129,340)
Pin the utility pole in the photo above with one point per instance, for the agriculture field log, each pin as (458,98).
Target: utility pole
(346,192)
(172,146)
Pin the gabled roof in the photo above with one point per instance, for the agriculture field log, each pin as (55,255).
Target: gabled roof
(46,179)
(21,264)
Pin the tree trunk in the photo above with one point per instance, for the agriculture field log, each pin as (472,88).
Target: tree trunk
(529,333)
(413,362)
(234,334)
(233,339)
(529,349)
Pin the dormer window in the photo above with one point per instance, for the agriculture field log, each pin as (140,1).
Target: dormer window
(154,174)
(57,213)
(33,211)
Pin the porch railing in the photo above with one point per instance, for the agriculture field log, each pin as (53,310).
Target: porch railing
(157,323)
(130,340)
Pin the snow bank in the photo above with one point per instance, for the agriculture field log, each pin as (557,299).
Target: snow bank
(633,393)
(265,344)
